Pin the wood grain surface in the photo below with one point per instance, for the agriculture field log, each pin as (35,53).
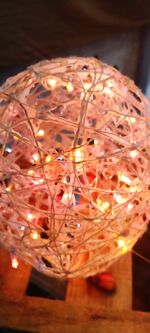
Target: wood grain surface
(47,316)
(86,309)
(82,292)
(13,282)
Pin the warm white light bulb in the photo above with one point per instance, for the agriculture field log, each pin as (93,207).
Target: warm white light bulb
(134,153)
(14,262)
(29,216)
(40,132)
(8,189)
(35,157)
(48,159)
(51,82)
(69,87)
(30,172)
(34,235)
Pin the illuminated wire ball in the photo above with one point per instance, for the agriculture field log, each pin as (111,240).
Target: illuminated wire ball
(74,166)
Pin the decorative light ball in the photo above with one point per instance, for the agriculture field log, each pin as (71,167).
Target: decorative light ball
(74,165)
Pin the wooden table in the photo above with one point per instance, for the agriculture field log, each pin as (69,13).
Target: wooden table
(85,310)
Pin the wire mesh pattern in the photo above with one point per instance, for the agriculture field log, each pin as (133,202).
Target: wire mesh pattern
(74,166)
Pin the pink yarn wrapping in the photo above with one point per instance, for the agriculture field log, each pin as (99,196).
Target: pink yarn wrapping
(74,165)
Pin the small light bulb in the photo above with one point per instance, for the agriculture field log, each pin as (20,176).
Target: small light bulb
(67,197)
(103,205)
(124,178)
(11,107)
(130,206)
(8,149)
(30,172)
(15,137)
(35,157)
(96,142)
(51,82)
(131,120)
(29,216)
(8,189)
(40,132)
(41,180)
(30,81)
(77,155)
(134,153)
(87,86)
(34,235)
(38,181)
(121,243)
(119,199)
(48,159)
(14,262)
(69,87)
(22,228)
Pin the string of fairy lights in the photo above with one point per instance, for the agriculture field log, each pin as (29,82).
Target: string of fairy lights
(74,166)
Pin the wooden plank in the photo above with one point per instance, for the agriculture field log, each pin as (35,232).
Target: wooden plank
(47,316)
(13,282)
(122,271)
(83,292)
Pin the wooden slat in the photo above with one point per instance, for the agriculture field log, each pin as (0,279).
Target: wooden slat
(13,282)
(83,292)
(47,316)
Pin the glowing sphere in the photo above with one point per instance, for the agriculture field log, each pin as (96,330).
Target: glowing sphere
(74,165)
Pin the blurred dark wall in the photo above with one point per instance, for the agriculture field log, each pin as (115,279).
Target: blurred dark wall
(37,29)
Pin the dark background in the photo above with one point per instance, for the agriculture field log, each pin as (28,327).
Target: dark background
(31,30)
(117,32)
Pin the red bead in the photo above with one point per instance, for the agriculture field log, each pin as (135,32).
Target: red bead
(104,281)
